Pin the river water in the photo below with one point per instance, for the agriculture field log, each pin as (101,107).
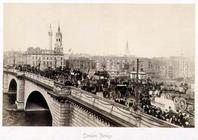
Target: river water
(13,118)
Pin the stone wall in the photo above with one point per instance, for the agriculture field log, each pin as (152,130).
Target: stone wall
(81,117)
(61,113)
(5,83)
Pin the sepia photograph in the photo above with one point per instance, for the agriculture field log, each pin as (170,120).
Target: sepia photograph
(99,65)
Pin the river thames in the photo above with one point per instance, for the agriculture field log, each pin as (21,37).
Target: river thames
(13,118)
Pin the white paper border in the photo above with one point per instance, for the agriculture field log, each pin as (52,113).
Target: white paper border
(68,133)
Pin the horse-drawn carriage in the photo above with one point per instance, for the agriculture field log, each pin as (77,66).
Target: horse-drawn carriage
(97,83)
(184,101)
(25,67)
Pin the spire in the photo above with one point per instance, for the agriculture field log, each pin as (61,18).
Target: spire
(127,46)
(58,27)
(50,37)
(127,49)
(50,27)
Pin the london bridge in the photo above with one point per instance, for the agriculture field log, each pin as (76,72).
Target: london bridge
(71,106)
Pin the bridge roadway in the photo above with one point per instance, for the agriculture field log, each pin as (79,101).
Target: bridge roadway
(116,114)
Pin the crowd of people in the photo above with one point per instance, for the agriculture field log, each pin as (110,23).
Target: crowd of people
(117,89)
(177,118)
(148,91)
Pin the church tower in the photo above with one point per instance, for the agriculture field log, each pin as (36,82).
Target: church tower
(58,45)
(50,37)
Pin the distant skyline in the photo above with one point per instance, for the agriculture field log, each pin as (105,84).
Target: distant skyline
(103,29)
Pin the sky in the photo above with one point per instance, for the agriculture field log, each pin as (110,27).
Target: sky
(103,29)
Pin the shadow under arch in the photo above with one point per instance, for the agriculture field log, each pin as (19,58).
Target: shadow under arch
(37,110)
(12,91)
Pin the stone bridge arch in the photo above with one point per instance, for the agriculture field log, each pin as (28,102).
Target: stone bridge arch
(12,86)
(8,78)
(12,90)
(37,102)
(36,97)
(32,91)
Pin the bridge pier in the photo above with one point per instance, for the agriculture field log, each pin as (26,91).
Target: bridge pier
(61,112)
(20,92)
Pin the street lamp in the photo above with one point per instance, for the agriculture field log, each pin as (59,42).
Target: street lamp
(137,93)
(39,64)
(55,62)
(14,60)
(137,86)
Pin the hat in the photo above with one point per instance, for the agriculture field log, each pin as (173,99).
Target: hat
(187,123)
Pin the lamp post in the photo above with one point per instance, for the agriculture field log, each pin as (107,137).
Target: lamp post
(14,61)
(55,62)
(137,87)
(39,65)
(137,93)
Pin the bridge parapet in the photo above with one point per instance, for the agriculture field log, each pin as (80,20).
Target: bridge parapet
(118,112)
(37,77)
(10,70)
(42,79)
(61,89)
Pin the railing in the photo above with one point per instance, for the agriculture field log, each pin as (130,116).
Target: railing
(137,119)
(61,89)
(10,70)
(37,77)
(42,79)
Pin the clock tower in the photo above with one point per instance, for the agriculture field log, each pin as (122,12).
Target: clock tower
(58,45)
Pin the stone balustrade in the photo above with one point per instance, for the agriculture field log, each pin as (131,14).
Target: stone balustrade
(138,119)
